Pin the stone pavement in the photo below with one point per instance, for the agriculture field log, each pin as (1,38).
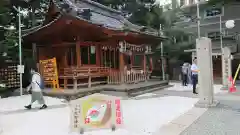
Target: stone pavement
(221,120)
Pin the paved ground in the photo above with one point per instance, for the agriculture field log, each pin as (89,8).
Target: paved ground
(221,120)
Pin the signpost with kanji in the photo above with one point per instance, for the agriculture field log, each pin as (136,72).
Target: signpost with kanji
(48,69)
(95,112)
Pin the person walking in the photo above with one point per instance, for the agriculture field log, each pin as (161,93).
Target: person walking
(36,90)
(189,74)
(194,69)
(184,74)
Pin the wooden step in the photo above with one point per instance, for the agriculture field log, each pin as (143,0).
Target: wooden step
(85,84)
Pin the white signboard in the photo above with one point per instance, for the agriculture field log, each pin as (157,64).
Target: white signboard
(20,69)
(95,112)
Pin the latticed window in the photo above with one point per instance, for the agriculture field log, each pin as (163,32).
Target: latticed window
(88,54)
(71,56)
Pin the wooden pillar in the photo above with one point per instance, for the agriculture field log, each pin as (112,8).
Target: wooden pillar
(35,55)
(121,66)
(150,63)
(132,59)
(34,52)
(114,57)
(98,53)
(65,59)
(78,52)
(101,55)
(144,62)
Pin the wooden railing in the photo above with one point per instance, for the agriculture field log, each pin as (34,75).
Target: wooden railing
(128,77)
(75,73)
(113,76)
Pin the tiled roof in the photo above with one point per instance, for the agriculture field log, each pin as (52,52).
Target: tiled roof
(98,14)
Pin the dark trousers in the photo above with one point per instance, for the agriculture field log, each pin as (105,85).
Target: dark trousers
(194,82)
(184,79)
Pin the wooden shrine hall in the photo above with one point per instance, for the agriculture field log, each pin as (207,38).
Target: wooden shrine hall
(91,44)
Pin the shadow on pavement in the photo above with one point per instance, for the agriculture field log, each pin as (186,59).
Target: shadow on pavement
(32,110)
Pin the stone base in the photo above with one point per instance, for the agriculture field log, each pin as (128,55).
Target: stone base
(203,104)
(224,88)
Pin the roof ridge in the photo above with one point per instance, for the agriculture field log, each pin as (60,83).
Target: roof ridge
(102,6)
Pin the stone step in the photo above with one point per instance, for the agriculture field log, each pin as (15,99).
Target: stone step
(137,93)
(143,88)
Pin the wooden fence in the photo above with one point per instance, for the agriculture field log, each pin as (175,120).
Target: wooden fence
(128,77)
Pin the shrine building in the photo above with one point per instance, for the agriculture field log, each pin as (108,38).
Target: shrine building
(92,45)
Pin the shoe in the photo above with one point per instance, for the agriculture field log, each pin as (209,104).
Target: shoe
(43,106)
(28,107)
(195,93)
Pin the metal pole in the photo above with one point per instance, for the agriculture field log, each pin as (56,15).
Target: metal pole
(162,59)
(221,40)
(198,20)
(20,49)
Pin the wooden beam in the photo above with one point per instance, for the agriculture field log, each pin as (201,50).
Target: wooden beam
(63,44)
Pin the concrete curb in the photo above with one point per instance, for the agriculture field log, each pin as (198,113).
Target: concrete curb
(177,126)
(229,97)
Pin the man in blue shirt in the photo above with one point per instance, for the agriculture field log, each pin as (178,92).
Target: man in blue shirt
(194,70)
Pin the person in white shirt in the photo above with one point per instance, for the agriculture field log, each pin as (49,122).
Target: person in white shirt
(36,90)
(194,70)
(185,74)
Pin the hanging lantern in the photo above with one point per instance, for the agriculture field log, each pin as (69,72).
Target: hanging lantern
(149,49)
(120,46)
(146,49)
(93,49)
(230,24)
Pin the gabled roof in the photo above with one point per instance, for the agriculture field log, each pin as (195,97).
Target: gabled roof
(95,13)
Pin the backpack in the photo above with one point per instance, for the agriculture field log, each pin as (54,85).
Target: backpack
(41,85)
(185,70)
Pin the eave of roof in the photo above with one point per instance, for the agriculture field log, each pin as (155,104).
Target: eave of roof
(37,28)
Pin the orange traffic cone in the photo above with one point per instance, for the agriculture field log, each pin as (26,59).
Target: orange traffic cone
(232,88)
